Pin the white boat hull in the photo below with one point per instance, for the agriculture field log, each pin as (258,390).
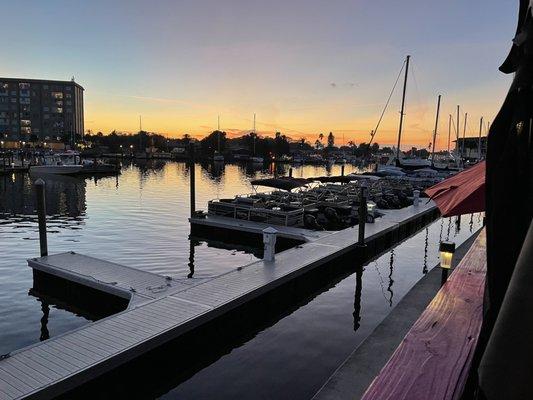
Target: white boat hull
(56,169)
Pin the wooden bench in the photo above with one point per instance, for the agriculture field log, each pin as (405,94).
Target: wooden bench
(433,360)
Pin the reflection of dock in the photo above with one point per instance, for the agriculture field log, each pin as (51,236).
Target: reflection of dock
(164,309)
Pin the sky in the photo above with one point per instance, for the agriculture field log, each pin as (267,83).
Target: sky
(303,66)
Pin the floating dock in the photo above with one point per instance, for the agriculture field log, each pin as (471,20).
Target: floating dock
(161,309)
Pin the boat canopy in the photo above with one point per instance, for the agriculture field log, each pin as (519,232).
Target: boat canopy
(339,178)
(284,183)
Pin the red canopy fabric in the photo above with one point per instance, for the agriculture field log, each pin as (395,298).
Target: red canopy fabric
(463,193)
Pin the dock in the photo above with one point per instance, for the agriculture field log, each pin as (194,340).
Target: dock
(161,309)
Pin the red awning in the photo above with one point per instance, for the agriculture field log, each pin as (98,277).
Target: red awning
(463,193)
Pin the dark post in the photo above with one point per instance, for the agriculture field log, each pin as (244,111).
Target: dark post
(41,214)
(362,216)
(192,179)
(290,172)
(342,169)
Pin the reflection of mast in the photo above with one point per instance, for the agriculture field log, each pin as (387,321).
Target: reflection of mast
(425,268)
(357,300)
(45,308)
(441,226)
(449,227)
(471,222)
(192,245)
(391,281)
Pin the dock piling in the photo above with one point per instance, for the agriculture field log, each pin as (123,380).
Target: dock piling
(269,240)
(41,214)
(192,179)
(290,172)
(342,170)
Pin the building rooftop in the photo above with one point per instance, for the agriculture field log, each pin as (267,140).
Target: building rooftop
(2,79)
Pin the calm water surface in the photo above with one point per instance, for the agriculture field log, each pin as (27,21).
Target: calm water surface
(140,219)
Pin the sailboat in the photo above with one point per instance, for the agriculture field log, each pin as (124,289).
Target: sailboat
(255,159)
(400,161)
(218,156)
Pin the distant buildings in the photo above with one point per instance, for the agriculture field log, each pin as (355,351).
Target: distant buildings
(34,109)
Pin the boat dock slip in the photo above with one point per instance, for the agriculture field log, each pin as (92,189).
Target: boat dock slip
(164,309)
(132,284)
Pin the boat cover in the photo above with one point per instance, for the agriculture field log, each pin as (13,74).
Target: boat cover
(284,183)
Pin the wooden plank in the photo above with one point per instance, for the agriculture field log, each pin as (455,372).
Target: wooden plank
(37,365)
(433,360)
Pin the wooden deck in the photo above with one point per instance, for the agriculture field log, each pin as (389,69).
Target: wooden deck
(433,360)
(162,309)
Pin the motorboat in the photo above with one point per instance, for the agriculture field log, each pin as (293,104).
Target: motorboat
(68,163)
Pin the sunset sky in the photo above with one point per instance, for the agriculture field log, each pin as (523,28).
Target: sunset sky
(304,66)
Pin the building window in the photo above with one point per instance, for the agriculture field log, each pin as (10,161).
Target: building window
(24,100)
(25,122)
(24,86)
(68,88)
(46,109)
(24,93)
(45,87)
(69,110)
(25,130)
(13,93)
(68,95)
(46,116)
(13,99)
(57,95)
(4,89)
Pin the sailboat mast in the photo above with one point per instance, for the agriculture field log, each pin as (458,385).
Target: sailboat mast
(403,107)
(140,130)
(479,141)
(435,132)
(457,134)
(464,135)
(218,133)
(449,131)
(254,136)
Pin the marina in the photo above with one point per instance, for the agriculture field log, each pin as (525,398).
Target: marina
(325,201)
(159,319)
(333,244)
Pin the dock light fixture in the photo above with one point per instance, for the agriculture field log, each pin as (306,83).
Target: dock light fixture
(446,250)
(370,207)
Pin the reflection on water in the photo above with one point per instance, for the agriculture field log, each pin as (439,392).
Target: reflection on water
(357,299)
(138,219)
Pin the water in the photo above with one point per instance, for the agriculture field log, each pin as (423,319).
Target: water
(138,219)
(141,220)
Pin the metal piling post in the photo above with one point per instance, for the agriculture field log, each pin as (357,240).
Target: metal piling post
(192,179)
(41,214)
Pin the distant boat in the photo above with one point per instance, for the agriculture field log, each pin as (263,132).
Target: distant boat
(68,163)
(256,160)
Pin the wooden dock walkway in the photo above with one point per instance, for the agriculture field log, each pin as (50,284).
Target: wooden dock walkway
(162,309)
(433,360)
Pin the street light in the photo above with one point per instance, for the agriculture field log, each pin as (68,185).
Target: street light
(446,249)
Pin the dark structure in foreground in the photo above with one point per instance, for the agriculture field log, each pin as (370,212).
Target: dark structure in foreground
(34,109)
